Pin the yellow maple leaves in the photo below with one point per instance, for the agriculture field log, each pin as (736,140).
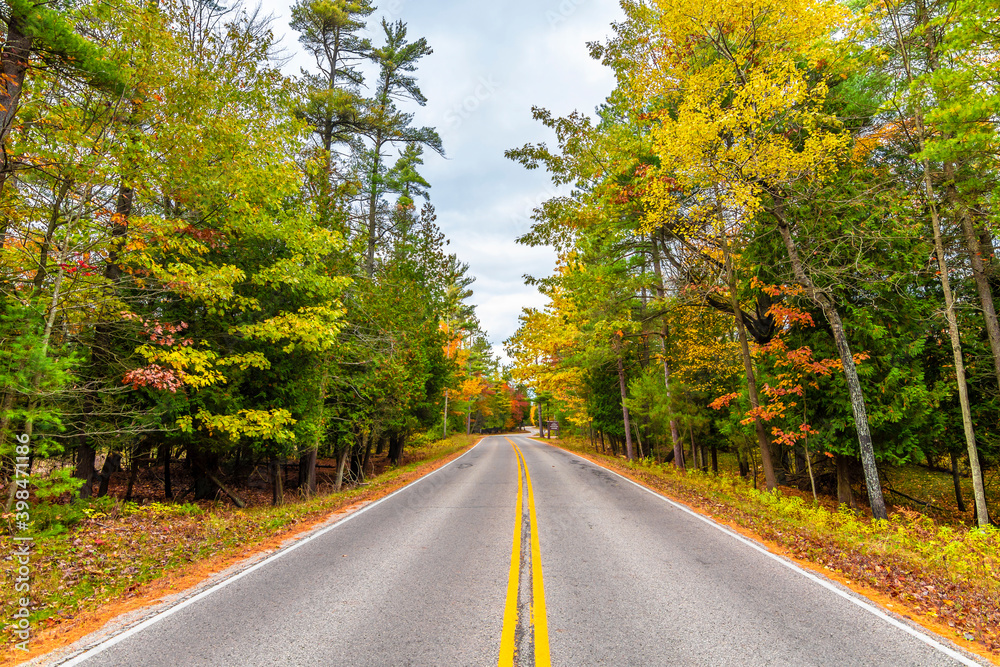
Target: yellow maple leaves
(734,93)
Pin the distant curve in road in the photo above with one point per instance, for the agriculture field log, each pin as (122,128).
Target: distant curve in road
(424,577)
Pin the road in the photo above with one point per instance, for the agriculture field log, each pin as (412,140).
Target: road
(598,571)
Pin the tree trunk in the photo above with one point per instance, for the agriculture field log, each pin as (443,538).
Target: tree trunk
(307,462)
(277,488)
(397,443)
(340,468)
(222,487)
(133,472)
(956,350)
(694,452)
(957,481)
(799,458)
(715,459)
(621,385)
(979,273)
(112,464)
(445,433)
(638,439)
(953,333)
(844,494)
(307,473)
(101,352)
(675,438)
(858,407)
(357,456)
(368,454)
(13,68)
(373,196)
(85,469)
(119,230)
(763,441)
(168,490)
(809,465)
(50,318)
(203,467)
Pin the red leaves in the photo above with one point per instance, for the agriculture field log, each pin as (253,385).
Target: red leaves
(210,237)
(765,412)
(789,438)
(723,401)
(793,367)
(79,265)
(776,392)
(160,333)
(789,315)
(671,184)
(776,290)
(156,377)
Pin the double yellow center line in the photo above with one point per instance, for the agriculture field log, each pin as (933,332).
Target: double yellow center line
(539,620)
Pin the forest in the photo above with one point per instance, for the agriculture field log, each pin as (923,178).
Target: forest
(209,265)
(778,245)
(233,329)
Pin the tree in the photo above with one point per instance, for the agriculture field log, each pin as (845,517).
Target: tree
(34,30)
(941,87)
(329,30)
(387,126)
(739,120)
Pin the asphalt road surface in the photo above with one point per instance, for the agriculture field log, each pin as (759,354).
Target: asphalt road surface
(583,568)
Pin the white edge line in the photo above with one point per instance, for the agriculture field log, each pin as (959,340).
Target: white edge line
(930,641)
(108,643)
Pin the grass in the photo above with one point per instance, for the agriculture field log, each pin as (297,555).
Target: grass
(936,492)
(119,547)
(931,491)
(944,574)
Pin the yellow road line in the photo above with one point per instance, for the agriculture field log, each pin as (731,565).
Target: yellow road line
(539,617)
(507,646)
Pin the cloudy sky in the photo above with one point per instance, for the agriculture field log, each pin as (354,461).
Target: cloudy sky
(492,62)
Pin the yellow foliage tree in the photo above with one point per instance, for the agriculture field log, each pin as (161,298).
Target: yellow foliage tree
(735,95)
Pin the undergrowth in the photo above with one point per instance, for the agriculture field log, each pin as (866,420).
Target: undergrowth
(959,553)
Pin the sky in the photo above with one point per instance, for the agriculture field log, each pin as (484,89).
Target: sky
(493,60)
